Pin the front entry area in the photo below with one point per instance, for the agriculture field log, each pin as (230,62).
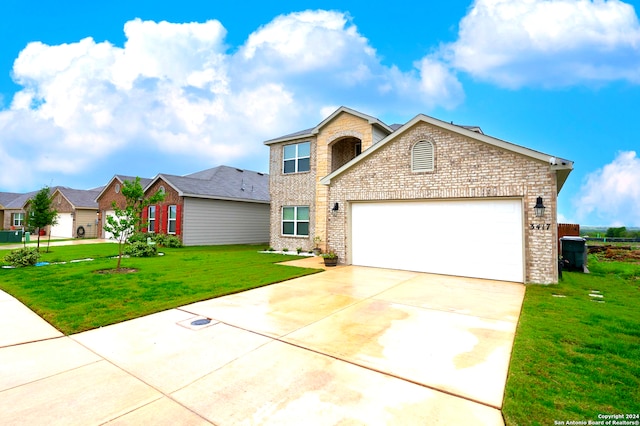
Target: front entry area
(470,238)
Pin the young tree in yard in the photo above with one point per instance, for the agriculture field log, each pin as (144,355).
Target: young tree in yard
(39,213)
(129,220)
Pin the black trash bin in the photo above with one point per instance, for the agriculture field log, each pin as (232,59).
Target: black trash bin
(574,253)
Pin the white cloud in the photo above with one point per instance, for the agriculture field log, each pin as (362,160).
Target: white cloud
(177,91)
(612,192)
(548,43)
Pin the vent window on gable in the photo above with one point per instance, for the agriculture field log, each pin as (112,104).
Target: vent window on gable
(422,157)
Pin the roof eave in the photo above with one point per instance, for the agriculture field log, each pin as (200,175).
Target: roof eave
(217,197)
(560,164)
(314,131)
(291,138)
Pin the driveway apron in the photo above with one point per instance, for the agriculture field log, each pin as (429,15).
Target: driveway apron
(349,345)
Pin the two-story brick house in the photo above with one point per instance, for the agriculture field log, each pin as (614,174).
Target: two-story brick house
(426,196)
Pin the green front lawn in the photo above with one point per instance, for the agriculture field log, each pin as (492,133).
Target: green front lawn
(577,356)
(73,297)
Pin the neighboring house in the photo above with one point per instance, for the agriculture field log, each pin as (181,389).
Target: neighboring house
(111,193)
(222,205)
(12,212)
(425,196)
(77,212)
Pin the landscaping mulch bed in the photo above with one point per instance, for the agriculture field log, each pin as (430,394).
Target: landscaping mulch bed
(617,253)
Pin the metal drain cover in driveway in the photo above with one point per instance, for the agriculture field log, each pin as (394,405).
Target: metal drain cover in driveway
(197,323)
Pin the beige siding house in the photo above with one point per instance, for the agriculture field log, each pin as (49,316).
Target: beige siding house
(77,212)
(427,196)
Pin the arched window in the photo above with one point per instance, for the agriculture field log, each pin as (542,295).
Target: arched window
(422,157)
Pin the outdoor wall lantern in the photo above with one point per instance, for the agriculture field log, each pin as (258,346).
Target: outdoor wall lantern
(539,207)
(335,207)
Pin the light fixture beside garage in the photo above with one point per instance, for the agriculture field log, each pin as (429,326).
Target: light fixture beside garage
(539,207)
(335,207)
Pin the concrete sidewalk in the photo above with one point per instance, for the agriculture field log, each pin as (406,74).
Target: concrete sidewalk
(354,345)
(56,242)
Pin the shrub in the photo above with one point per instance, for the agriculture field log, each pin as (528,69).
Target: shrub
(299,250)
(172,241)
(138,237)
(164,240)
(27,256)
(140,249)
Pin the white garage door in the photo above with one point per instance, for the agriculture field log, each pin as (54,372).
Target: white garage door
(482,239)
(64,226)
(109,235)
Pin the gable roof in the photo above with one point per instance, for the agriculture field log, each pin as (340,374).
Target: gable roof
(16,201)
(6,198)
(121,178)
(561,166)
(220,183)
(314,130)
(79,198)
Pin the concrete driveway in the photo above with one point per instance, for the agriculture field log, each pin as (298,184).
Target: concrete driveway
(351,345)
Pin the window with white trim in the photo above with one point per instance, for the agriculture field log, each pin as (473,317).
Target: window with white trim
(151,226)
(18,219)
(422,157)
(297,158)
(295,221)
(171,220)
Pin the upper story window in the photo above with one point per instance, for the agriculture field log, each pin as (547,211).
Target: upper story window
(297,158)
(422,158)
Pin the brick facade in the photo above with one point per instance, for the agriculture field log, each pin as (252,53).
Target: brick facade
(293,189)
(109,195)
(465,168)
(106,200)
(171,197)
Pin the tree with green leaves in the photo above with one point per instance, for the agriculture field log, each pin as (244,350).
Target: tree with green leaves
(129,220)
(40,213)
(619,232)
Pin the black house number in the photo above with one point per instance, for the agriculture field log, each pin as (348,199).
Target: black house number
(540,226)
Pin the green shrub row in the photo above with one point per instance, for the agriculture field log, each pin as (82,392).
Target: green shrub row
(162,240)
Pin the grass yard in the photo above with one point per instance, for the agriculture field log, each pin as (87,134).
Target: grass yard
(578,356)
(74,298)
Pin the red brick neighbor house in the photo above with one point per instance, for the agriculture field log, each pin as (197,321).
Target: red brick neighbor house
(110,194)
(426,196)
(222,205)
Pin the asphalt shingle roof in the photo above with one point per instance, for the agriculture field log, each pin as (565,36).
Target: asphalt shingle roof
(81,198)
(222,182)
(16,203)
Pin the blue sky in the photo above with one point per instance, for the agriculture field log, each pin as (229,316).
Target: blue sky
(93,89)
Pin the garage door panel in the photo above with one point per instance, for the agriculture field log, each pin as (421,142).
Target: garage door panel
(64,226)
(469,238)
